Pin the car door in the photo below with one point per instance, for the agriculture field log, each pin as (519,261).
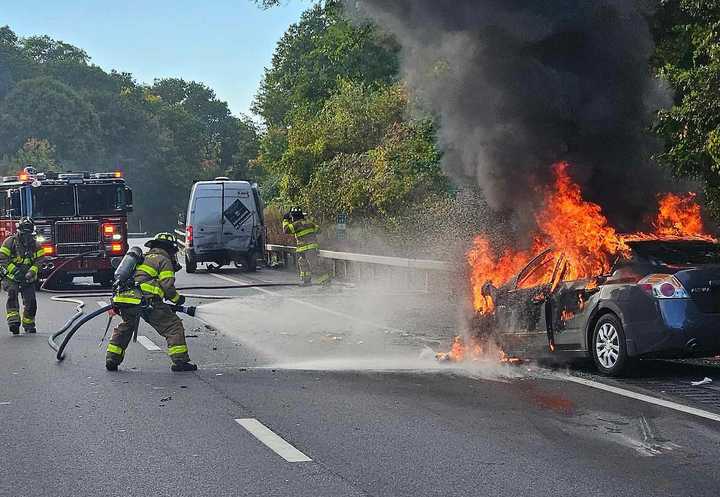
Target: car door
(206,215)
(522,309)
(239,216)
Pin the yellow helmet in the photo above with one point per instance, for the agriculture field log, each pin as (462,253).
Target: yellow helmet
(163,240)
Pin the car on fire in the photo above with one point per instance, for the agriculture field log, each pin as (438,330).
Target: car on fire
(661,299)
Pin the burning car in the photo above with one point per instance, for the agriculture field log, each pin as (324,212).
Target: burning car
(583,289)
(661,299)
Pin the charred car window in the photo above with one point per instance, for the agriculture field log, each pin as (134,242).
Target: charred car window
(99,199)
(680,253)
(538,271)
(53,201)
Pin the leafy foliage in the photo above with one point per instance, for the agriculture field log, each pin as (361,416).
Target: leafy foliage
(688,56)
(315,55)
(339,137)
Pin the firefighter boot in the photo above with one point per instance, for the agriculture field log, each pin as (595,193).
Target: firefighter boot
(113,357)
(180,366)
(14,329)
(28,324)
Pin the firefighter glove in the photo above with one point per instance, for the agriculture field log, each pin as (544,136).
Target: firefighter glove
(180,300)
(30,277)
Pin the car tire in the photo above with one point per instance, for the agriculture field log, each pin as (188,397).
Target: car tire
(609,347)
(190,265)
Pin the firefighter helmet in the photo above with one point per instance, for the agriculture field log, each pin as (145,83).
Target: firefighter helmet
(25,225)
(297,213)
(163,240)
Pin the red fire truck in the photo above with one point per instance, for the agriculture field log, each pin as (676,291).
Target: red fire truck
(78,215)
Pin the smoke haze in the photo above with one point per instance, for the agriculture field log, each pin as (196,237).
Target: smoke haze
(521,84)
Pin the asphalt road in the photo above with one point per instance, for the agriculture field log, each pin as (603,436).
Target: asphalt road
(340,375)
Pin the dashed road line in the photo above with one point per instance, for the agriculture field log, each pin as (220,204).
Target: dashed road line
(643,398)
(273,441)
(313,306)
(147,343)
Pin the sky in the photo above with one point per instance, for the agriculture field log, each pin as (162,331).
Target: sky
(225,44)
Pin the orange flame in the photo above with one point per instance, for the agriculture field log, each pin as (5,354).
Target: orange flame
(567,222)
(678,215)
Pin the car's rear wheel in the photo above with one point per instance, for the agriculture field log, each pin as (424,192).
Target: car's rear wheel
(609,348)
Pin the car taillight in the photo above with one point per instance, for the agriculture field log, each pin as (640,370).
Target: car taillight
(116,248)
(48,249)
(663,286)
(188,236)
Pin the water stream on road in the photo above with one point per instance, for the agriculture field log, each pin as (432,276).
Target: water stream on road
(368,331)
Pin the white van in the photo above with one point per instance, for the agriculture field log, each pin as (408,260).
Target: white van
(224,224)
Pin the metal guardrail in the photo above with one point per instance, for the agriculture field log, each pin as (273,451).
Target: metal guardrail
(182,234)
(379,260)
(421,265)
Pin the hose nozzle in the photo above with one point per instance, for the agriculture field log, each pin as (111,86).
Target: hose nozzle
(185,309)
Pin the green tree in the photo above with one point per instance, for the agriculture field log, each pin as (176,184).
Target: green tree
(37,153)
(47,109)
(314,55)
(688,56)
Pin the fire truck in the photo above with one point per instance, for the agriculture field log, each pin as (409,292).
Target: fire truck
(80,219)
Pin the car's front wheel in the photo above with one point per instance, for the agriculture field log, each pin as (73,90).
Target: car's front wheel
(609,348)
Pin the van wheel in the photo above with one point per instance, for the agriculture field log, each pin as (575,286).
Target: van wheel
(190,265)
(251,263)
(609,347)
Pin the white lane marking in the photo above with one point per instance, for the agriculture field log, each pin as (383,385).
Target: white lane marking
(147,343)
(5,403)
(313,306)
(101,303)
(643,398)
(273,441)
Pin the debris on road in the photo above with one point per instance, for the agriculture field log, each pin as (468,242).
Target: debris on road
(704,381)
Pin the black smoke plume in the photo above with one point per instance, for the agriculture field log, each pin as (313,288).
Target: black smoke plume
(521,84)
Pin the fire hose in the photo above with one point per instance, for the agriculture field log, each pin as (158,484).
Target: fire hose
(77,320)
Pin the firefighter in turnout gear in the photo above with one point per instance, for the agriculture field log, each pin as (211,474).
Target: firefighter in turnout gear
(310,265)
(153,282)
(20,259)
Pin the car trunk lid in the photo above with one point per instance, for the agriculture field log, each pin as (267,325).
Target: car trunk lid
(703,285)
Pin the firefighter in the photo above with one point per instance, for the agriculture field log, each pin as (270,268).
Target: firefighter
(20,259)
(154,282)
(306,247)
